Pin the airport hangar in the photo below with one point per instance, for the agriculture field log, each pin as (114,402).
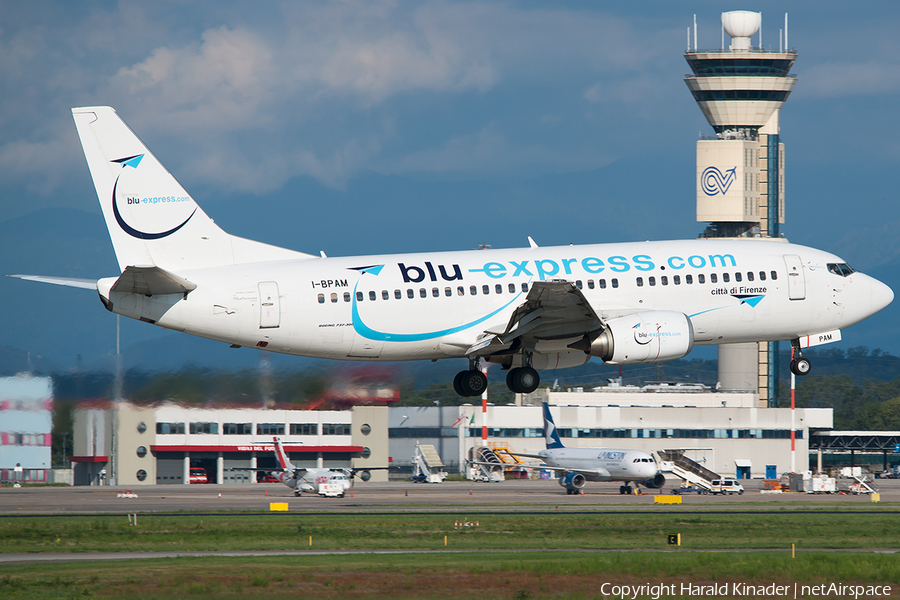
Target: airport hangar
(727,432)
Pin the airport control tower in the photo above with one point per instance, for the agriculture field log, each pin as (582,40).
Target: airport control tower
(740,171)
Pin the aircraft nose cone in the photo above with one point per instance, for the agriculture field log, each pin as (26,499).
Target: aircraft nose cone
(881,295)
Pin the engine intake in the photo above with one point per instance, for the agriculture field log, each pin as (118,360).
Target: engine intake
(572,481)
(651,336)
(657,482)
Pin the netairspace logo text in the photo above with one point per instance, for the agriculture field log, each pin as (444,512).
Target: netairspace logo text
(744,590)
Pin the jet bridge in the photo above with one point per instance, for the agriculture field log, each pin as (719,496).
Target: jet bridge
(685,468)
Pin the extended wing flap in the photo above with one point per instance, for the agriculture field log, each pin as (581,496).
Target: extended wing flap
(552,310)
(151,280)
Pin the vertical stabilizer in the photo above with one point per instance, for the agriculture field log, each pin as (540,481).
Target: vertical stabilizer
(550,434)
(281,456)
(151,219)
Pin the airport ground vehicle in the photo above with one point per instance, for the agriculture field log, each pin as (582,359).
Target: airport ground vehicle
(198,475)
(726,486)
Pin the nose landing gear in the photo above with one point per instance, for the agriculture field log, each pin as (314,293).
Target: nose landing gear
(799,366)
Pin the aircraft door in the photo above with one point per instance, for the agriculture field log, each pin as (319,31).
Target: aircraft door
(796,279)
(269,305)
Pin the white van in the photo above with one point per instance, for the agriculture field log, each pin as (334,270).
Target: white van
(726,486)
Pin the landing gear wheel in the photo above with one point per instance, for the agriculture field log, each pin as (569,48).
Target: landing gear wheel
(469,383)
(457,385)
(523,380)
(627,490)
(800,366)
(621,489)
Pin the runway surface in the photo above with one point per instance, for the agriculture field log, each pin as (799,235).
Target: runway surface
(507,496)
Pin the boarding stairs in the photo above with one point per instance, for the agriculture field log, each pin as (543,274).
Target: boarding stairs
(675,462)
(427,465)
(485,472)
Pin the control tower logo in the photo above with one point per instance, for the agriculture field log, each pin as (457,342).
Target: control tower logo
(714,182)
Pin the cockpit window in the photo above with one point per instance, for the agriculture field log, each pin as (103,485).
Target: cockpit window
(842,269)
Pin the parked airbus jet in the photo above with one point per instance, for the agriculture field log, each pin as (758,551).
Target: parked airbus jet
(575,466)
(525,309)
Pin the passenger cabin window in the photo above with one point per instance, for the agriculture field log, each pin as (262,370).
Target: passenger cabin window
(639,281)
(725,278)
(372,295)
(749,275)
(512,288)
(460,291)
(473,290)
(664,279)
(333,297)
(498,289)
(602,283)
(359,296)
(524,287)
(615,282)
(689,279)
(385,295)
(737,277)
(423,293)
(410,293)
(397,294)
(774,275)
(713,278)
(448,292)
(578,283)
(676,279)
(762,275)
(701,278)
(435,292)
(321,298)
(651,281)
(346,296)
(590,284)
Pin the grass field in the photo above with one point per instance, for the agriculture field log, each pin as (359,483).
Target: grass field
(505,556)
(469,575)
(426,532)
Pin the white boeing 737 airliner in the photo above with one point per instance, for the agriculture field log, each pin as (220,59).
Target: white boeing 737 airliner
(526,309)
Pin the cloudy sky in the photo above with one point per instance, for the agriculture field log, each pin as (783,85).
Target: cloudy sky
(366,127)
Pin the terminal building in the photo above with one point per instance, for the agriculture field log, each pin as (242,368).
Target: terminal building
(728,433)
(128,445)
(26,418)
(124,444)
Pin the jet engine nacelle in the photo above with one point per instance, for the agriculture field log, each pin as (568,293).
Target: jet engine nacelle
(650,336)
(657,482)
(572,481)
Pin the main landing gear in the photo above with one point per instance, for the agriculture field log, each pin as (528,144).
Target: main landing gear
(520,380)
(470,383)
(799,366)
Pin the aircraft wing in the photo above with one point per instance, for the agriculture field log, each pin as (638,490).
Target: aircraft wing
(87,284)
(543,467)
(554,316)
(586,472)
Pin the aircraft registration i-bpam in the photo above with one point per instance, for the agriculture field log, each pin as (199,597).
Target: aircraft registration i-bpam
(525,309)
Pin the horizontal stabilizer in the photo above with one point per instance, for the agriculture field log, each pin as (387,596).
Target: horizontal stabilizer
(150,281)
(87,284)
